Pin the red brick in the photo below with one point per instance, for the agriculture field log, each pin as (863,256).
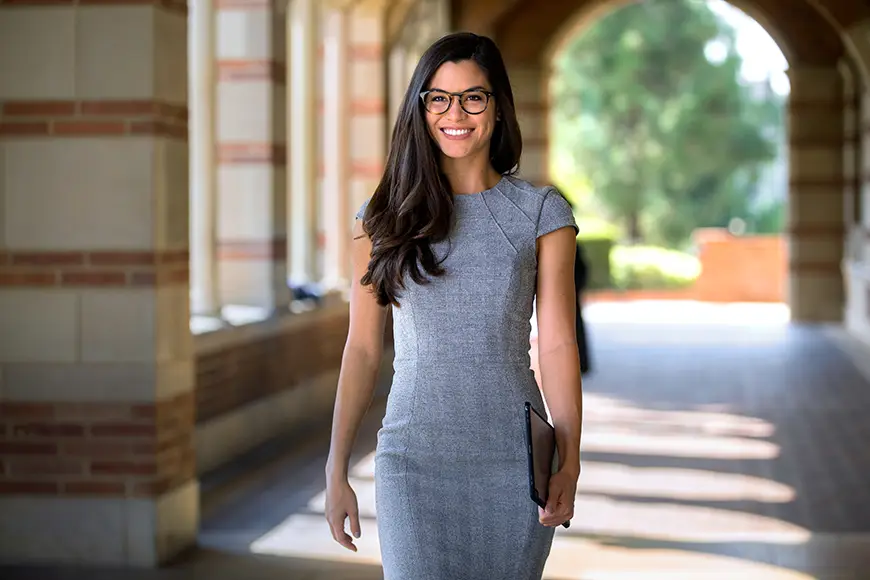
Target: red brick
(366,169)
(122,468)
(26,410)
(181,256)
(24,128)
(372,51)
(236,70)
(41,466)
(27,279)
(145,258)
(94,487)
(39,108)
(27,448)
(48,258)
(97,449)
(48,430)
(180,276)
(123,430)
(28,487)
(93,278)
(367,107)
(38,2)
(119,107)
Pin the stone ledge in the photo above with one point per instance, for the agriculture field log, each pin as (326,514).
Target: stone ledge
(103,531)
(279,323)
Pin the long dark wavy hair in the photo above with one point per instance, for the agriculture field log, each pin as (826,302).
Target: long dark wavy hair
(412,207)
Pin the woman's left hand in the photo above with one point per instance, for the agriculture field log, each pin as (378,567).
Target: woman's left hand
(560,499)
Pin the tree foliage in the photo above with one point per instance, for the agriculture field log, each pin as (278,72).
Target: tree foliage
(669,139)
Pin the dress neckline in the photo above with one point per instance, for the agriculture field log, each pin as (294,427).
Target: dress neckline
(479,193)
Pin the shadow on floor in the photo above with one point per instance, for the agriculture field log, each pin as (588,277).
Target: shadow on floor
(710,451)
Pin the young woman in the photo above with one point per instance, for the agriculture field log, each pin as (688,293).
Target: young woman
(459,249)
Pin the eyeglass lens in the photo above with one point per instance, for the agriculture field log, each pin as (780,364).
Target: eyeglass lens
(473,102)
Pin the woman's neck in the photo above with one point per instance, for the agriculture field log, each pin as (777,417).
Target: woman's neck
(469,175)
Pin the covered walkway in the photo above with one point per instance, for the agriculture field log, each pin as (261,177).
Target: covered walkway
(177,186)
(720,442)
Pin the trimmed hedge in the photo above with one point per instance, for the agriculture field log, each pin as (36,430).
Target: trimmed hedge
(650,267)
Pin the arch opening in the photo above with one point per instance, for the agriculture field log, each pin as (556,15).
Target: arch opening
(668,130)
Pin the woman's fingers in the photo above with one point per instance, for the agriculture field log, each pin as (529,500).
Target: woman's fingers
(558,510)
(354,522)
(336,527)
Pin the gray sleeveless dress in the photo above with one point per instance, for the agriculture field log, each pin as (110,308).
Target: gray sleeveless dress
(451,479)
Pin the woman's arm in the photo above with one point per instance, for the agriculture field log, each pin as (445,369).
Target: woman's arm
(558,356)
(360,362)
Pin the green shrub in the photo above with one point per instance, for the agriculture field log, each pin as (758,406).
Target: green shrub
(597,237)
(596,252)
(650,267)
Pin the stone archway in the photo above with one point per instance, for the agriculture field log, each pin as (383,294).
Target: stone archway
(824,142)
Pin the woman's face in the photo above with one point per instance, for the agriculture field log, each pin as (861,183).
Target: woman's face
(457,132)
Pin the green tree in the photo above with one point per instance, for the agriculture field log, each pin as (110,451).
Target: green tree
(669,138)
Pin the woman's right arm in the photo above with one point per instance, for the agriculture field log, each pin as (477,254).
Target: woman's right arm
(360,364)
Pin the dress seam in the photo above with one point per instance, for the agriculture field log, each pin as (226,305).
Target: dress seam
(409,427)
(498,225)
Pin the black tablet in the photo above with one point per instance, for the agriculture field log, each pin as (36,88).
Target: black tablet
(541,452)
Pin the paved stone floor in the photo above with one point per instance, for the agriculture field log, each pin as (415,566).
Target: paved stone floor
(720,442)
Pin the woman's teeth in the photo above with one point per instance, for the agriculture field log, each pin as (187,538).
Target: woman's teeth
(457,132)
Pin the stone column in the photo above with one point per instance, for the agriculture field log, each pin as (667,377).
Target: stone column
(303,142)
(252,153)
(530,97)
(96,354)
(816,210)
(337,215)
(203,169)
(857,263)
(399,78)
(368,127)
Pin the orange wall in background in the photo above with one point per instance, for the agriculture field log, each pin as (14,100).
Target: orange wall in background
(733,269)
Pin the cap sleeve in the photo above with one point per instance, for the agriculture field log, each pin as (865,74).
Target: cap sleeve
(555,213)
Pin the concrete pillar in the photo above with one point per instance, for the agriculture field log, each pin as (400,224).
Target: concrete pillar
(529,86)
(96,354)
(204,293)
(367,89)
(252,154)
(857,264)
(303,139)
(816,208)
(336,217)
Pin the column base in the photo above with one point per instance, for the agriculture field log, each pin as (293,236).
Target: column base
(857,315)
(116,531)
(816,297)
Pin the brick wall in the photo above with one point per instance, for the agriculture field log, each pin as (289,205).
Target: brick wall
(742,269)
(270,379)
(733,269)
(246,370)
(138,450)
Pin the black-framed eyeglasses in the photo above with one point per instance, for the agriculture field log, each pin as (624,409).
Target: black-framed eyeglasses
(473,102)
